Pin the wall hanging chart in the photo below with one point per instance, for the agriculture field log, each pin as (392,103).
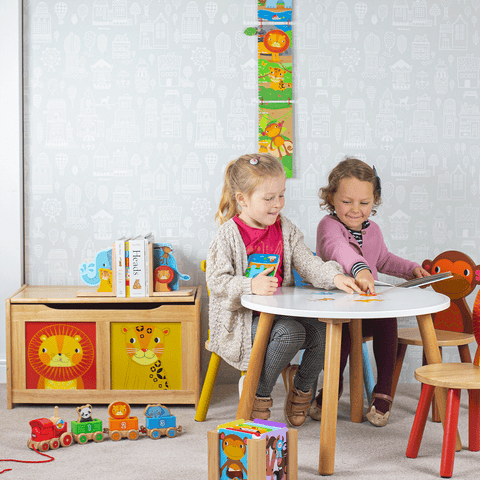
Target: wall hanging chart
(275,112)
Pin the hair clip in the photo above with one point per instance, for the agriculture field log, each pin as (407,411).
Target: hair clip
(379,185)
(254,161)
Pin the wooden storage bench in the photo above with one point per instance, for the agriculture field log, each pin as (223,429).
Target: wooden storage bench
(98,338)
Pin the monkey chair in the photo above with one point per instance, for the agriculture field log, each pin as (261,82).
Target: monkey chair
(454,325)
(453,376)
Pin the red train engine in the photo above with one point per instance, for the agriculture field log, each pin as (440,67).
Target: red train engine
(49,433)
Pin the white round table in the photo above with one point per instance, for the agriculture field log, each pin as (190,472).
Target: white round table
(335,307)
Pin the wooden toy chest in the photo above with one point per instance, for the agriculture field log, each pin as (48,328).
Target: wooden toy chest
(34,306)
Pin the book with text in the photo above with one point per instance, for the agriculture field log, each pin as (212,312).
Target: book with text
(137,266)
(120,285)
(127,267)
(148,239)
(258,262)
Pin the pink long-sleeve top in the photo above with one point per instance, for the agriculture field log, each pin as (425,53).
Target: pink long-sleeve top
(335,242)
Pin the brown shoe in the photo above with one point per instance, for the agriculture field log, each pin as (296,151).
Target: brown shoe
(297,403)
(261,408)
(315,410)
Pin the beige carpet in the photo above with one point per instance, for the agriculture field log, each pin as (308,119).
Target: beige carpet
(362,452)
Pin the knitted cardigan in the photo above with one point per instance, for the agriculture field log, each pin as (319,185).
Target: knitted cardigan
(230,323)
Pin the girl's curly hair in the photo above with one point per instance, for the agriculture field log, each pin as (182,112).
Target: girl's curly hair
(348,168)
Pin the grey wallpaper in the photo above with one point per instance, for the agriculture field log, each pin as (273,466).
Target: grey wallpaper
(133,108)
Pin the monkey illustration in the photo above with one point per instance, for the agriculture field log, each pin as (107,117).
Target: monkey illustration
(466,276)
(277,141)
(234,448)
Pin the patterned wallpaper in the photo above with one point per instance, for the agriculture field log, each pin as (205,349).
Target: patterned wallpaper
(133,108)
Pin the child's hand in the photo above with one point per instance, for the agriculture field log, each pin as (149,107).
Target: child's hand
(347,284)
(420,272)
(365,281)
(262,284)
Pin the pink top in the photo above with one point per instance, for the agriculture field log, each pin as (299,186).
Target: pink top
(335,242)
(263,240)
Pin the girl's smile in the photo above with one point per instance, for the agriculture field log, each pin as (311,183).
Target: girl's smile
(353,202)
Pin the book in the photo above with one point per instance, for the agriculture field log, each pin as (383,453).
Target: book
(148,239)
(119,246)
(419,282)
(137,266)
(258,262)
(127,267)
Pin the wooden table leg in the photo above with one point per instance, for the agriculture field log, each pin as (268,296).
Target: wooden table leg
(356,372)
(255,364)
(432,354)
(331,374)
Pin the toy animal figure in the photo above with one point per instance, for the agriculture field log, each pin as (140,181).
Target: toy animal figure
(85,413)
(90,272)
(106,284)
(60,354)
(163,275)
(234,448)
(144,344)
(466,276)
(162,255)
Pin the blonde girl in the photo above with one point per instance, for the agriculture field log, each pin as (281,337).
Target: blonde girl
(252,198)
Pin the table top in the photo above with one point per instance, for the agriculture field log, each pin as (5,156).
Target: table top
(316,303)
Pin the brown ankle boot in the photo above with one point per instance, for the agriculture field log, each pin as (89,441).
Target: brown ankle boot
(297,403)
(261,408)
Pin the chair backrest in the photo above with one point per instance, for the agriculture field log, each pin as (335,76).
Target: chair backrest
(466,276)
(476,328)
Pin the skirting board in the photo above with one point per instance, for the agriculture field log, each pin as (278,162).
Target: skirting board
(3,370)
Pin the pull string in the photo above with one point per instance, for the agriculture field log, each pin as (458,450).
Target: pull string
(50,459)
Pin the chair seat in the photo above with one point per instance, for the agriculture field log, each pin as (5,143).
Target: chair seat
(411,336)
(450,375)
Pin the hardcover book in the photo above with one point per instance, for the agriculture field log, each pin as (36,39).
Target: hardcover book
(119,246)
(258,262)
(137,267)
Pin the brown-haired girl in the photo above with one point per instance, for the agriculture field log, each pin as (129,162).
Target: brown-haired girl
(250,222)
(349,237)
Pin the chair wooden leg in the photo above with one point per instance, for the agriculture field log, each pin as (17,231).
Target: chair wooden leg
(464,352)
(419,421)
(401,349)
(474,420)
(207,389)
(450,433)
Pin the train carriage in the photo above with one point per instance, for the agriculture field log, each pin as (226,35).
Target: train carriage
(159,422)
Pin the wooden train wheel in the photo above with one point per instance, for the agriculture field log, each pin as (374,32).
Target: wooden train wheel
(43,446)
(133,434)
(82,438)
(66,439)
(54,443)
(115,436)
(98,437)
(171,432)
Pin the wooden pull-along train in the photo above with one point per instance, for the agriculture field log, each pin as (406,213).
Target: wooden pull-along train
(51,433)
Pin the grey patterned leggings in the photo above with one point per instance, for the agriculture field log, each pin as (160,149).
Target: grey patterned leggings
(288,336)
